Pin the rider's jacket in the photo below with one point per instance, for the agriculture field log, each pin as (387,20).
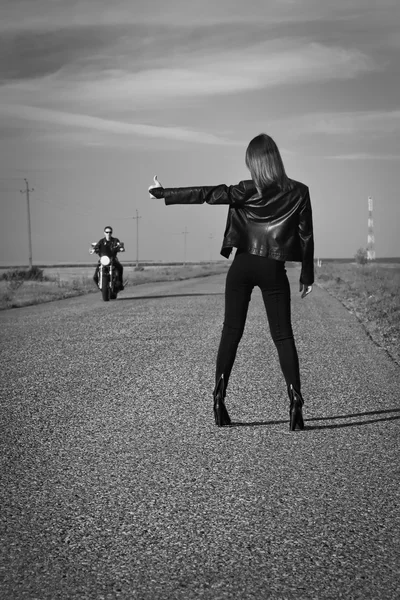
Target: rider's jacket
(108,248)
(277,223)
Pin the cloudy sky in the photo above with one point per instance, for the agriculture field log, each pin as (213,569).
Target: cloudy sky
(96,97)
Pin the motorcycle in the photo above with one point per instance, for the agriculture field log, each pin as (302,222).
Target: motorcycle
(108,283)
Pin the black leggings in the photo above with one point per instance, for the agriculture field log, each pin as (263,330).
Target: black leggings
(246,272)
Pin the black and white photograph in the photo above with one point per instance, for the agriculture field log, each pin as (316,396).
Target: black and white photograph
(199,299)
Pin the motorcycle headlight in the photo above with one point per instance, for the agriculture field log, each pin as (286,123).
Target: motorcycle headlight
(105,260)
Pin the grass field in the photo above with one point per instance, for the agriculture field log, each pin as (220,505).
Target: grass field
(65,282)
(372,293)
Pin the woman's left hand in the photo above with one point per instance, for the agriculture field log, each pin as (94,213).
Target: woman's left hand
(156,184)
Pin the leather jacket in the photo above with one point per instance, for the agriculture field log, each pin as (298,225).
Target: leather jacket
(277,224)
(108,248)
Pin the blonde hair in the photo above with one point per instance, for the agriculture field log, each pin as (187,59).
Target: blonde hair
(265,164)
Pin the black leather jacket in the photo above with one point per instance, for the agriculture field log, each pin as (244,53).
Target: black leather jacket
(110,248)
(277,224)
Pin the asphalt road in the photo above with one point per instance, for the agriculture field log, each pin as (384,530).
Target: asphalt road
(117,484)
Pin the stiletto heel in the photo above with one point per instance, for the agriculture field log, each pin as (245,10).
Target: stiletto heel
(221,415)
(296,409)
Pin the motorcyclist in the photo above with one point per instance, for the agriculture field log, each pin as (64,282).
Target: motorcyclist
(109,246)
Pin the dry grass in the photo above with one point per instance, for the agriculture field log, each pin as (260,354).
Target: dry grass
(67,282)
(372,293)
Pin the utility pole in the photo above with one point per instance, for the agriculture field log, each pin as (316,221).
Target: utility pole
(185,232)
(26,191)
(371,236)
(137,238)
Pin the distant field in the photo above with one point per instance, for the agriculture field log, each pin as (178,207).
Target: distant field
(67,281)
(378,261)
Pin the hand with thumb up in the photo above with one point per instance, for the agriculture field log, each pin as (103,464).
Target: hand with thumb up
(156,184)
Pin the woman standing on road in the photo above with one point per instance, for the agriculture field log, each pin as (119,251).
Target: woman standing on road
(269,222)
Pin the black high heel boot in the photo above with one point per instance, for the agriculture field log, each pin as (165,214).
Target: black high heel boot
(222,418)
(296,409)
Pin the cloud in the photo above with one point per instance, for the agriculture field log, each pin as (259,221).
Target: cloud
(49,14)
(134,48)
(211,73)
(107,126)
(258,67)
(26,55)
(346,123)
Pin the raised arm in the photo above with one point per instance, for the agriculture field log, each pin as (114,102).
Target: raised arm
(234,195)
(96,249)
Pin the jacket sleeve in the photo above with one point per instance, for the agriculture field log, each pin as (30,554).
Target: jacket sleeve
(116,245)
(234,195)
(306,236)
